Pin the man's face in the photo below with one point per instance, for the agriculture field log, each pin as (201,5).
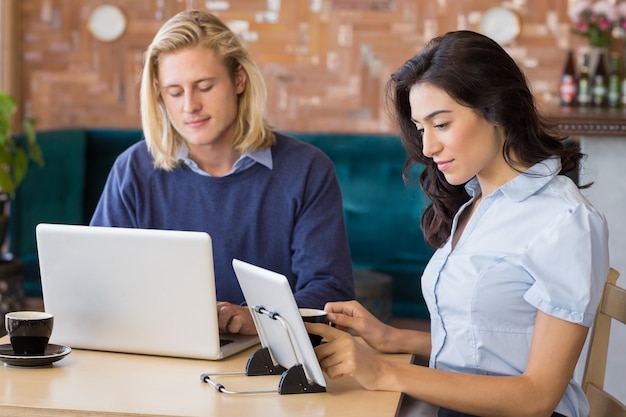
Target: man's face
(200,95)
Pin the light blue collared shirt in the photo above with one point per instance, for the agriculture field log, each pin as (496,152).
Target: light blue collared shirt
(245,161)
(534,244)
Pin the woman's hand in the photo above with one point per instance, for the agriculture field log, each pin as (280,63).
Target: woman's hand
(342,355)
(351,315)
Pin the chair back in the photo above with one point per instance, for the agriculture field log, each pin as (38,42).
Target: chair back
(612,307)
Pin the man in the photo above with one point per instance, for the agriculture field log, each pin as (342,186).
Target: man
(211,162)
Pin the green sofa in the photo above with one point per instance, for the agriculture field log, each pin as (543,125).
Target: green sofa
(381,213)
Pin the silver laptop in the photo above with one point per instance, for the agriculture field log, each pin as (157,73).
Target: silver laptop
(133,290)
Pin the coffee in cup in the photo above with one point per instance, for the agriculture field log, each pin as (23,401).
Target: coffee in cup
(29,331)
(314,315)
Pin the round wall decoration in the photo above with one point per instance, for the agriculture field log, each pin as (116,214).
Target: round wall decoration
(107,22)
(501,24)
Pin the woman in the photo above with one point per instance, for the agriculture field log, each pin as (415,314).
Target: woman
(521,258)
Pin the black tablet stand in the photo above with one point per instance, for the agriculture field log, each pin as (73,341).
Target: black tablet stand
(292,380)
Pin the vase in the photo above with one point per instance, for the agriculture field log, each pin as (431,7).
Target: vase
(595,54)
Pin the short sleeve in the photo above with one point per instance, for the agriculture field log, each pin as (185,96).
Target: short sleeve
(569,262)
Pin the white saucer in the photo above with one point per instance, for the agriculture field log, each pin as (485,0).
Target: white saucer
(52,354)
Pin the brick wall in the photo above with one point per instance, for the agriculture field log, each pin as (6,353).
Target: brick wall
(325,61)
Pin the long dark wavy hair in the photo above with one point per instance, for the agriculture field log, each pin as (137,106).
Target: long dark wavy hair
(477,73)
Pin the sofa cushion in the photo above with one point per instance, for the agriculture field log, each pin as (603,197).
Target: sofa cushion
(103,147)
(52,193)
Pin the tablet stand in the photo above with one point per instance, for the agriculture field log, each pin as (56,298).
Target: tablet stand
(292,380)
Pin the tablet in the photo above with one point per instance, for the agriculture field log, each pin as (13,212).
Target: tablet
(271,291)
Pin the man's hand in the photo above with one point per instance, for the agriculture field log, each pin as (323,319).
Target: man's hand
(234,319)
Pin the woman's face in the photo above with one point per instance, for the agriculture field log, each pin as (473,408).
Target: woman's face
(461,143)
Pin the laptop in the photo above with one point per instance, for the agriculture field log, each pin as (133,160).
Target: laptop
(133,290)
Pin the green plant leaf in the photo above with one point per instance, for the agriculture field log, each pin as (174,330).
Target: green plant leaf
(6,183)
(14,159)
(20,166)
(7,105)
(34,151)
(4,130)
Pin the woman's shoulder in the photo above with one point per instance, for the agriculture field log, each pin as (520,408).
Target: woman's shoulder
(562,208)
(563,189)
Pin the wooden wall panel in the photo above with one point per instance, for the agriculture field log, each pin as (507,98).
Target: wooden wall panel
(325,61)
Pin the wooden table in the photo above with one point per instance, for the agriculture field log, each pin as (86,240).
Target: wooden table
(91,383)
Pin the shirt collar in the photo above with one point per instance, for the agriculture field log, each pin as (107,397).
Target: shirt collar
(263,157)
(526,184)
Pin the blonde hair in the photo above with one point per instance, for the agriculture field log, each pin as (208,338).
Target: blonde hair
(198,28)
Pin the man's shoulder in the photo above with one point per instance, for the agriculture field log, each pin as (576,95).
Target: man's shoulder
(136,158)
(296,148)
(136,152)
(138,148)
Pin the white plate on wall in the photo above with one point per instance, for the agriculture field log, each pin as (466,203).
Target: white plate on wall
(501,24)
(107,22)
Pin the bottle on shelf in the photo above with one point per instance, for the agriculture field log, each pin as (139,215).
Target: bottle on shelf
(584,88)
(599,83)
(615,88)
(568,88)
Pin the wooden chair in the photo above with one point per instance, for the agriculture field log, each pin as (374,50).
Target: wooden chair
(612,306)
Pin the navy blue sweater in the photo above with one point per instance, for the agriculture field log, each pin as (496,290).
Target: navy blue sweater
(288,219)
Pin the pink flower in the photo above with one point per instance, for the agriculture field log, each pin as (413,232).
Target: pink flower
(595,20)
(604,23)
